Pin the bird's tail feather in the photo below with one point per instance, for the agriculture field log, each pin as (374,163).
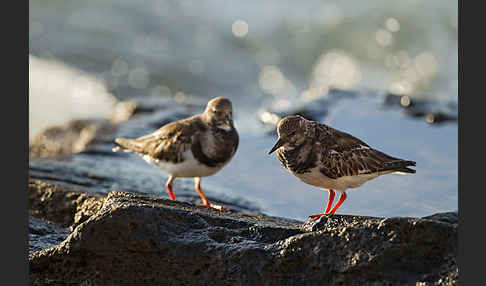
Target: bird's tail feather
(405,171)
(401,166)
(124,144)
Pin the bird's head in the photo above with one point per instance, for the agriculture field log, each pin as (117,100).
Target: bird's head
(292,131)
(219,112)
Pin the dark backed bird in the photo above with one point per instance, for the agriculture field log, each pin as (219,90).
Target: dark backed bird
(324,157)
(193,147)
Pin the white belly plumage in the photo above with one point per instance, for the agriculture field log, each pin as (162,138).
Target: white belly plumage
(190,167)
(318,179)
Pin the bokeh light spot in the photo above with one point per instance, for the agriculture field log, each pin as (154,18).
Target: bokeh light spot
(240,28)
(392,25)
(336,69)
(405,101)
(426,64)
(271,79)
(161,90)
(138,78)
(179,96)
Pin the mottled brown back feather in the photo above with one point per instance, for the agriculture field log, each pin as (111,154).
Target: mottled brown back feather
(339,153)
(346,155)
(169,142)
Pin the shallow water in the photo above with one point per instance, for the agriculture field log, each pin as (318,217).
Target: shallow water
(432,189)
(260,55)
(255,181)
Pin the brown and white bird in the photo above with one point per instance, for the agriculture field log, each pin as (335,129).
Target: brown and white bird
(193,147)
(331,159)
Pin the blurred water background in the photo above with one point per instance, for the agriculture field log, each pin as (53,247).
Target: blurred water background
(84,56)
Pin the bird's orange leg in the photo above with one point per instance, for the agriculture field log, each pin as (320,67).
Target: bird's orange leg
(205,203)
(168,186)
(328,207)
(342,197)
(329,201)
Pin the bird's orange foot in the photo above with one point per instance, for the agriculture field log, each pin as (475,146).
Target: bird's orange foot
(316,216)
(218,207)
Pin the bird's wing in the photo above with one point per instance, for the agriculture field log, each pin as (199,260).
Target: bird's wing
(168,143)
(345,155)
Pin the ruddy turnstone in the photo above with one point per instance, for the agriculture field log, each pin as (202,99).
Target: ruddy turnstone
(193,147)
(331,159)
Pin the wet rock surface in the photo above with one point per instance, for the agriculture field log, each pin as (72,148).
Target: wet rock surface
(75,136)
(43,234)
(70,138)
(314,109)
(139,240)
(431,112)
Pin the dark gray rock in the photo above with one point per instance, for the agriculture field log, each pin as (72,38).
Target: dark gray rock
(64,207)
(139,240)
(448,217)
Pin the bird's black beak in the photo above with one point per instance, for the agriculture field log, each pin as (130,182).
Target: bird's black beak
(277,145)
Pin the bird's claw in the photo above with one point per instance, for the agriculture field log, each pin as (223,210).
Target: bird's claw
(218,207)
(316,216)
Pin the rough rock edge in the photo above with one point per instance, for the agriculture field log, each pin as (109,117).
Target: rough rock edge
(202,245)
(58,205)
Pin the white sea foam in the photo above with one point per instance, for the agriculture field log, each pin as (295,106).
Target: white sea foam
(59,93)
